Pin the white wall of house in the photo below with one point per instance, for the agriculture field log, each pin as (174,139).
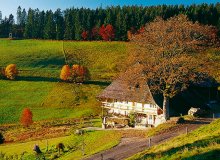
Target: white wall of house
(125,108)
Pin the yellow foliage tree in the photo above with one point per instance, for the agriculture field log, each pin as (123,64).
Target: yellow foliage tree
(11,71)
(65,73)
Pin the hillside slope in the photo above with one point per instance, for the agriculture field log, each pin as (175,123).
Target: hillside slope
(203,143)
(38,87)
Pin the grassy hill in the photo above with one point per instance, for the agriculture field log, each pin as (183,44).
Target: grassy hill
(72,146)
(203,143)
(38,87)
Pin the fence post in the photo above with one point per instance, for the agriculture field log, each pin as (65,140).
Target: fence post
(149,142)
(213,116)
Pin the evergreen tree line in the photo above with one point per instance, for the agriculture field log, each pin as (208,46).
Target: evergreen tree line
(85,24)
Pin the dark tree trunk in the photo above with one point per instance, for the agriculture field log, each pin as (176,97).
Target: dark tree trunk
(166,106)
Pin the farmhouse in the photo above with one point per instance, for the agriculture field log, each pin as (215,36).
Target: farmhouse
(130,94)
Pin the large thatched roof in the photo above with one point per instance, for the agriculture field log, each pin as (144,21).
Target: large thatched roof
(129,86)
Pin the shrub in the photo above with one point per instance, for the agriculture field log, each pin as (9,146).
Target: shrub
(11,71)
(80,73)
(180,120)
(132,117)
(65,73)
(77,74)
(26,117)
(2,139)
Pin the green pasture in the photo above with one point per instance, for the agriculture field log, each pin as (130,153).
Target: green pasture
(38,86)
(94,141)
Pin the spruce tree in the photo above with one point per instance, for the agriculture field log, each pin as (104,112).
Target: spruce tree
(59,22)
(49,28)
(77,27)
(29,25)
(19,16)
(69,29)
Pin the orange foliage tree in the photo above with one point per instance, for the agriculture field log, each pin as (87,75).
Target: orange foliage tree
(26,117)
(107,33)
(65,73)
(11,71)
(79,73)
(85,35)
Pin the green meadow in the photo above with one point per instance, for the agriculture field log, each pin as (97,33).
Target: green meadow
(92,141)
(38,86)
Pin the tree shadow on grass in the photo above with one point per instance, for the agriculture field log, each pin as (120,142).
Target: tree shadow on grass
(189,146)
(37,79)
(197,121)
(53,79)
(99,83)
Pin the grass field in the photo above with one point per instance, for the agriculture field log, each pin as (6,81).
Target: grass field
(38,87)
(92,141)
(203,143)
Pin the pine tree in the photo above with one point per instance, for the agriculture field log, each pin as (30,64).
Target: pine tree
(77,27)
(49,28)
(69,29)
(23,17)
(0,17)
(19,15)
(59,22)
(29,25)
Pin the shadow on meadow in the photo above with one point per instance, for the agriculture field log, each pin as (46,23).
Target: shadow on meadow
(37,79)
(212,155)
(189,146)
(99,83)
(53,79)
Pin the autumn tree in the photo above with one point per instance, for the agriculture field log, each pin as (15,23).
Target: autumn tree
(65,73)
(79,73)
(26,117)
(85,35)
(170,52)
(95,33)
(11,71)
(107,33)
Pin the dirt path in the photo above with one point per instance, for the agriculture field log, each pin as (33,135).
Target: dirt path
(131,146)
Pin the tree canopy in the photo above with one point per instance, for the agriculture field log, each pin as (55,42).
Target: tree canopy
(169,51)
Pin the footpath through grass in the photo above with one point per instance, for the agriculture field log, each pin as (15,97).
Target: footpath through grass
(203,143)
